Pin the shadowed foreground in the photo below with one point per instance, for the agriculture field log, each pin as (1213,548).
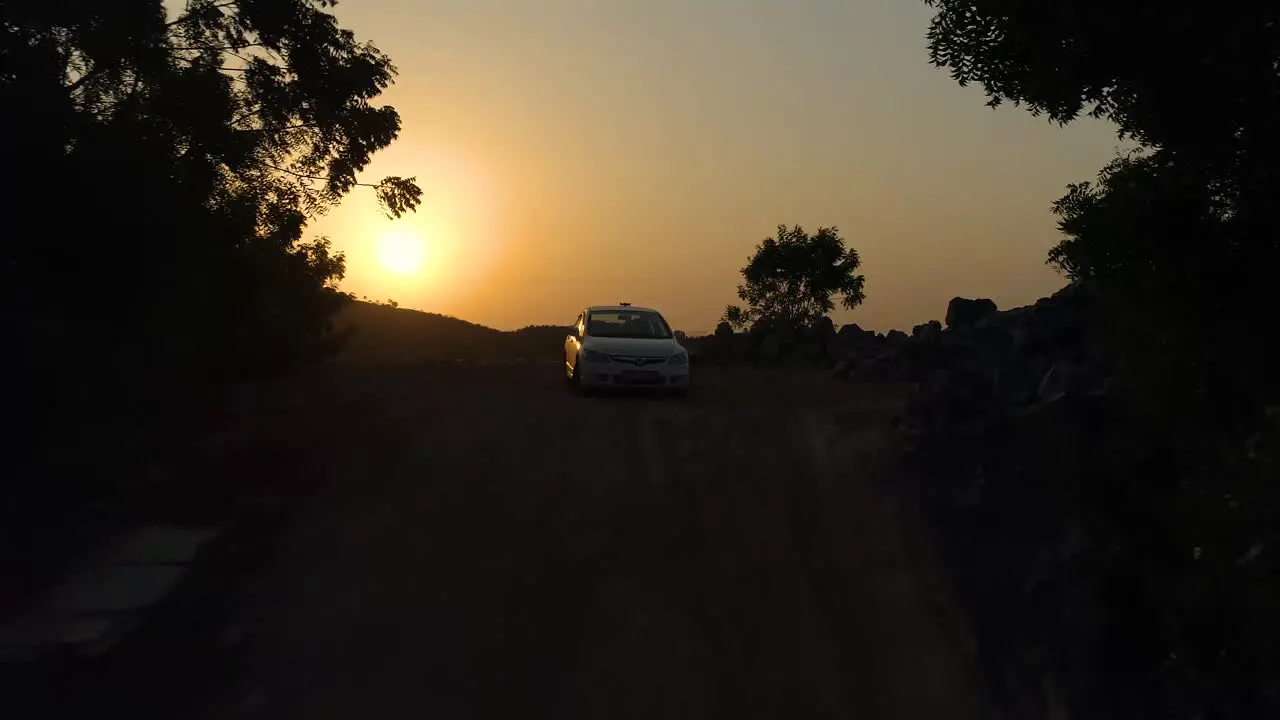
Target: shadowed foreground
(491,546)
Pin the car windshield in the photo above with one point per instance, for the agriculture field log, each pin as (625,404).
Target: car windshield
(645,324)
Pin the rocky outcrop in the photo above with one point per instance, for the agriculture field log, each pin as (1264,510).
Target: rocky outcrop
(929,332)
(963,312)
(1010,352)
(1107,556)
(1009,404)
(896,339)
(1058,516)
(1006,405)
(854,333)
(769,342)
(1111,564)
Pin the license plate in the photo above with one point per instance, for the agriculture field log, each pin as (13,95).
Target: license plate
(639,376)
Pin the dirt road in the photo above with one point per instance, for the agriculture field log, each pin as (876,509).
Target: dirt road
(500,548)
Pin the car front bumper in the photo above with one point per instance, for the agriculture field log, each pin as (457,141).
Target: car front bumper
(619,375)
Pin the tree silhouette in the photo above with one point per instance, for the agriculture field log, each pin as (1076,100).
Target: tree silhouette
(1182,231)
(735,316)
(792,277)
(164,166)
(1181,240)
(273,90)
(1065,59)
(195,147)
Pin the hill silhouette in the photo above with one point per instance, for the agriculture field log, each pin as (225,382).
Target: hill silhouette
(381,334)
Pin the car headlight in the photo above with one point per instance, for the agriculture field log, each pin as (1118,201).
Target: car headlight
(680,358)
(595,356)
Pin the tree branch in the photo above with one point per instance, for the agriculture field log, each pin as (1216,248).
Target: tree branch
(304,176)
(220,48)
(86,77)
(245,115)
(187,16)
(299,126)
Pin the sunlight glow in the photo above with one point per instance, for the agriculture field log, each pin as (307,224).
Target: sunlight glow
(445,256)
(402,252)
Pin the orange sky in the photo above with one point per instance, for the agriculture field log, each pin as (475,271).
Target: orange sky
(585,151)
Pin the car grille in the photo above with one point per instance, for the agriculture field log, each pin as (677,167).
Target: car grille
(637,361)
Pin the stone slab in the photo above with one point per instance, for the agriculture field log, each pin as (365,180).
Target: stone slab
(115,589)
(160,545)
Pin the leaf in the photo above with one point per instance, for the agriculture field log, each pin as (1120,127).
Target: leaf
(398,195)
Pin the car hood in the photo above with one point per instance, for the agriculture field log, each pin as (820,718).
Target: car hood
(640,347)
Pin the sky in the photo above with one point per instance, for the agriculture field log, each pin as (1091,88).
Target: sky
(577,152)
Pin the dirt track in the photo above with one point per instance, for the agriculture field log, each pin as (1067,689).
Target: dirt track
(496,547)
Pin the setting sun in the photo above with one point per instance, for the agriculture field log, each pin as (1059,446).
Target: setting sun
(402,252)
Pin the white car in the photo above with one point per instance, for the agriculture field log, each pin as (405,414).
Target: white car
(625,346)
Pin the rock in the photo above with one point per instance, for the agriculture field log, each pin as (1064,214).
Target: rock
(770,347)
(1010,406)
(721,347)
(897,338)
(1054,383)
(772,340)
(841,369)
(964,312)
(853,341)
(1017,326)
(928,332)
(821,339)
(855,336)
(756,335)
(935,383)
(852,330)
(811,351)
(161,545)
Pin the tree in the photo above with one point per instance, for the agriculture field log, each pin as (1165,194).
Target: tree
(1181,240)
(1184,228)
(195,145)
(792,277)
(1142,64)
(1107,59)
(735,316)
(272,91)
(163,167)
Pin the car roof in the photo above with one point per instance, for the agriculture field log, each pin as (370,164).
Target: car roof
(619,308)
